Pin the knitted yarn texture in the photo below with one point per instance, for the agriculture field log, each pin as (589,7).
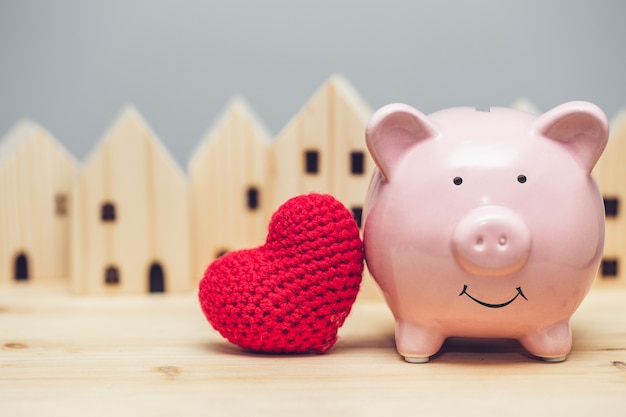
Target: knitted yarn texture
(292,294)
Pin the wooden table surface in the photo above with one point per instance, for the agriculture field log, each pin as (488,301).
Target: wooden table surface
(64,355)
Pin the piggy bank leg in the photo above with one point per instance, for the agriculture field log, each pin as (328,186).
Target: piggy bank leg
(551,344)
(417,343)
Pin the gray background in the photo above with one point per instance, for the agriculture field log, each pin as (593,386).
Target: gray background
(72,65)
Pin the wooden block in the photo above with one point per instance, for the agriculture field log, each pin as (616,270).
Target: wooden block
(132,230)
(352,164)
(229,190)
(301,153)
(316,150)
(609,173)
(36,173)
(322,149)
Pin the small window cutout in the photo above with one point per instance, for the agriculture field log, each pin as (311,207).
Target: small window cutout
(357,162)
(357,213)
(60,205)
(107,212)
(311,160)
(611,207)
(111,276)
(609,268)
(252,198)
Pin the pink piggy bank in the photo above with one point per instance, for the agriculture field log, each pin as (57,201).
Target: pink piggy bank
(484,224)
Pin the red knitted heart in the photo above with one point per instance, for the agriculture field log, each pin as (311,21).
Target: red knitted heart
(292,294)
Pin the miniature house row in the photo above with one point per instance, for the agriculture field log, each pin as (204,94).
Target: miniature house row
(129,220)
(134,222)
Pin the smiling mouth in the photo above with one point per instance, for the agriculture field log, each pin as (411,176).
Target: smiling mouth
(519,292)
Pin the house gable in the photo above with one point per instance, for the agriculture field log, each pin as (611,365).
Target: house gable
(36,173)
(131,203)
(317,149)
(228,186)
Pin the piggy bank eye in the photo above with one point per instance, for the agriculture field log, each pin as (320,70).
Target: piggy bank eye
(521,179)
(457,180)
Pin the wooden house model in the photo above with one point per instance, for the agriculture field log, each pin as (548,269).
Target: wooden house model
(130,229)
(228,176)
(322,149)
(610,173)
(36,173)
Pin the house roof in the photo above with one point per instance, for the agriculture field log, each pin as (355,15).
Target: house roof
(130,115)
(23,131)
(238,108)
(341,89)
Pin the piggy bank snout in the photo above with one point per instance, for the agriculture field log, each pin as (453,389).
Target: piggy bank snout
(491,241)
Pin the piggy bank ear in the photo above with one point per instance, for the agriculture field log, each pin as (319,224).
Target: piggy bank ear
(394,129)
(581,126)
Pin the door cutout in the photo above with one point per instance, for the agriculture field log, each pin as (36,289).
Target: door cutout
(156,278)
(21,267)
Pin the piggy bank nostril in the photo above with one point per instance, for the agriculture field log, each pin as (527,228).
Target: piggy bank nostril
(480,241)
(502,241)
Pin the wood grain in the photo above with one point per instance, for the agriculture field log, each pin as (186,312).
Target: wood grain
(63,355)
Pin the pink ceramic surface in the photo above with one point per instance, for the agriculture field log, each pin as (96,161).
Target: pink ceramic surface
(484,224)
